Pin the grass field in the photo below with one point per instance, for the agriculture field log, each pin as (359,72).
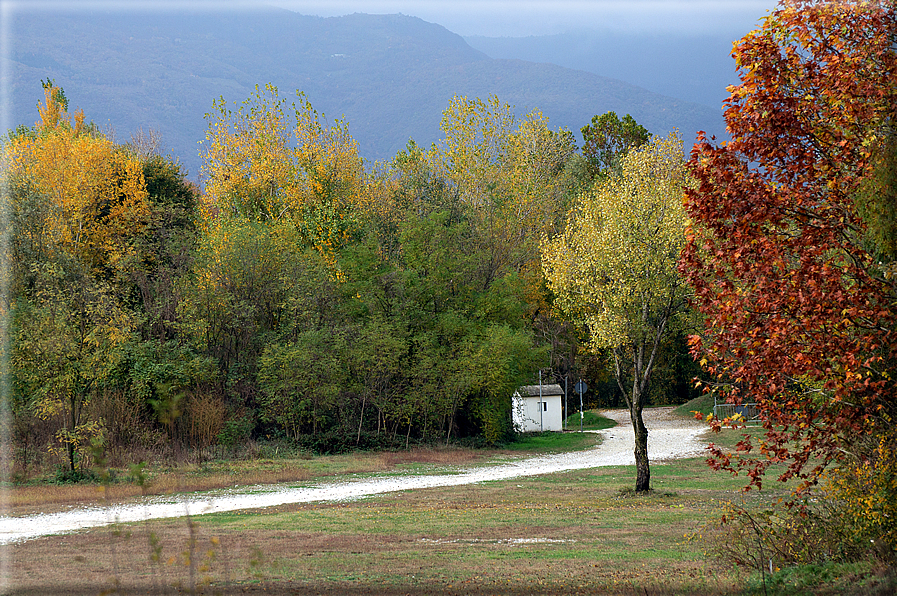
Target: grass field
(590,421)
(582,532)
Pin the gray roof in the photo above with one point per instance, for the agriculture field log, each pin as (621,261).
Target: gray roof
(533,390)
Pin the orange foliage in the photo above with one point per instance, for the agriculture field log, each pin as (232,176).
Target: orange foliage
(799,317)
(95,191)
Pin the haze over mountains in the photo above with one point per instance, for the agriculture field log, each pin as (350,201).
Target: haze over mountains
(389,76)
(694,67)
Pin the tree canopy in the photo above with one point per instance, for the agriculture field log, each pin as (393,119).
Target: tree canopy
(607,138)
(614,269)
(799,311)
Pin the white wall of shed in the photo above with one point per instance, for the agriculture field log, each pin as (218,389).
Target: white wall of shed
(526,413)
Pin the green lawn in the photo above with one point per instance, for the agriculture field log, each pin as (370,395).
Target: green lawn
(574,533)
(591,420)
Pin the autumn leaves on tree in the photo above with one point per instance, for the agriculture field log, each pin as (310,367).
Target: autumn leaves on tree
(613,269)
(796,294)
(303,295)
(79,201)
(363,305)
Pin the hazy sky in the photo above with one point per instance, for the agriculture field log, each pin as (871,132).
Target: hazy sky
(513,18)
(532,17)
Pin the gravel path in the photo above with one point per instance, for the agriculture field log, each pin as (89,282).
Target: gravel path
(670,437)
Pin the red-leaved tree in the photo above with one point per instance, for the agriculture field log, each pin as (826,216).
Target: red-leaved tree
(799,311)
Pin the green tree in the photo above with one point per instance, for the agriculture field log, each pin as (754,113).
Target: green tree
(607,139)
(876,200)
(378,356)
(164,249)
(614,269)
(237,294)
(301,381)
(70,341)
(78,202)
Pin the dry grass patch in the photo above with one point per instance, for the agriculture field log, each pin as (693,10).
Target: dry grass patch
(48,498)
(447,456)
(572,533)
(164,480)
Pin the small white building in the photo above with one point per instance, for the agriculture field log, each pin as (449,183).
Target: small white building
(535,413)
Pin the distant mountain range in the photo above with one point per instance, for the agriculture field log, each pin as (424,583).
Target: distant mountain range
(389,76)
(695,67)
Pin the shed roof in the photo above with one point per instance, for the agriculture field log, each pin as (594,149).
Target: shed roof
(533,390)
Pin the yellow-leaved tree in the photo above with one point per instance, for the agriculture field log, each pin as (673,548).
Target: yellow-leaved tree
(78,201)
(507,174)
(284,190)
(613,269)
(94,190)
(274,162)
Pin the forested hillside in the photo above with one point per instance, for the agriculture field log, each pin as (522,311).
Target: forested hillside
(301,296)
(389,76)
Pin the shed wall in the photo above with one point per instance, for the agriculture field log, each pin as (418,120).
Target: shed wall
(526,413)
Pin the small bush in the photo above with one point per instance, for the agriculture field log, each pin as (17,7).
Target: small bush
(864,494)
(235,431)
(753,537)
(66,476)
(205,413)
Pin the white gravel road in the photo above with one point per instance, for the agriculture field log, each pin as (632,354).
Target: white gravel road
(670,437)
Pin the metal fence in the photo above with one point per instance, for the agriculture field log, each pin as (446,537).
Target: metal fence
(748,411)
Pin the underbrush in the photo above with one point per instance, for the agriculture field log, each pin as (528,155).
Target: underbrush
(864,578)
(815,545)
(794,552)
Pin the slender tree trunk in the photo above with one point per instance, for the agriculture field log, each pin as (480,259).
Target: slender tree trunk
(641,371)
(643,358)
(643,471)
(70,447)
(364,399)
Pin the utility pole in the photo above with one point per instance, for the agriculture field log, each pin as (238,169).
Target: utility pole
(566,405)
(541,426)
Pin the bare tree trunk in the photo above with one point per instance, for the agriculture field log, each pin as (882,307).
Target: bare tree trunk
(643,471)
(364,398)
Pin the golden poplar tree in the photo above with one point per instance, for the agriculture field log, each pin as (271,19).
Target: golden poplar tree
(276,162)
(507,174)
(95,193)
(84,199)
(614,269)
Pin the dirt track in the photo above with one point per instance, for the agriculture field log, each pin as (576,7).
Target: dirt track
(670,437)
